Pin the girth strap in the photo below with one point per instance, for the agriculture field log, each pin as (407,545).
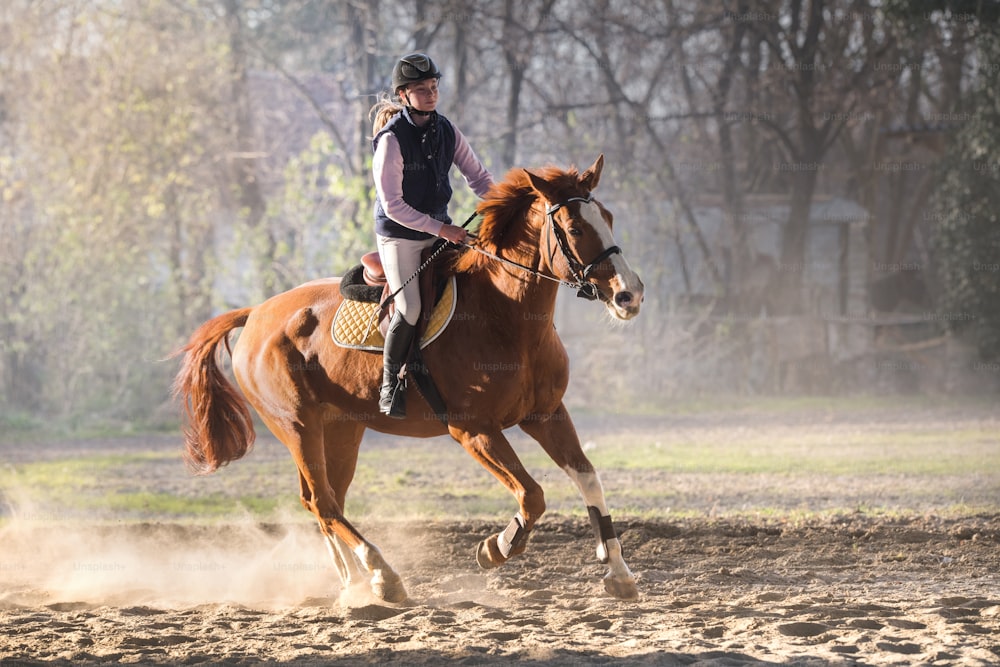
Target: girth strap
(417,369)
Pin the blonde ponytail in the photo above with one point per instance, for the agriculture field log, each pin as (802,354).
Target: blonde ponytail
(383,111)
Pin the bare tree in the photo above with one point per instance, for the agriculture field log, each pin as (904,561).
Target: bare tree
(819,63)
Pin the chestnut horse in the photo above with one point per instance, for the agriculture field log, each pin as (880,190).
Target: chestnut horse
(499,364)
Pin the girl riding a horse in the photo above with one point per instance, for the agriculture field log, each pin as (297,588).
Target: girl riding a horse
(540,230)
(415,147)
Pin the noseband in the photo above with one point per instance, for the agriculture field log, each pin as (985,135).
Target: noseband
(581,272)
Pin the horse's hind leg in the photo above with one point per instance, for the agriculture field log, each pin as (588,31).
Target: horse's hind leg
(557,436)
(305,442)
(342,442)
(348,567)
(343,559)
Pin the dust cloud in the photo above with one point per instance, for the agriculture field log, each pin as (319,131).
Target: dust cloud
(164,565)
(45,560)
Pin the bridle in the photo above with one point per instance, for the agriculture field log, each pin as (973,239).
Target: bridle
(581,272)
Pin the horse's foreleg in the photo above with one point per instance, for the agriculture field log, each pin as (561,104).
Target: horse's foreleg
(494,453)
(619,582)
(557,436)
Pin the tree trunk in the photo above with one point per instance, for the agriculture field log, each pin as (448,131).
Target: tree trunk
(792,266)
(515,70)
(251,203)
(366,75)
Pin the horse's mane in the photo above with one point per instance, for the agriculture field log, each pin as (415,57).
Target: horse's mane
(505,210)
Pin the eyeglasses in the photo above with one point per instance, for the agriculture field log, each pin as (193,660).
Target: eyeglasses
(415,65)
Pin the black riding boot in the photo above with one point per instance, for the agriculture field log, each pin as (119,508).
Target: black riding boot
(397,346)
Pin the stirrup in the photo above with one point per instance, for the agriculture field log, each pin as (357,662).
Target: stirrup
(392,398)
(397,404)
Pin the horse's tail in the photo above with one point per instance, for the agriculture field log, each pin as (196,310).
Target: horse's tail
(219,426)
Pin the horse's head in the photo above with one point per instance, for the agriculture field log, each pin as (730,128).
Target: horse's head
(578,244)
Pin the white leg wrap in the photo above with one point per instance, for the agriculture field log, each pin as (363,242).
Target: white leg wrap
(512,536)
(609,548)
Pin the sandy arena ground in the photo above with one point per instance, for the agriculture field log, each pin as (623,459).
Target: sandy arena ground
(853,592)
(903,588)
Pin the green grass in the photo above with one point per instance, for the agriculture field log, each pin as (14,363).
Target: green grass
(853,405)
(122,486)
(153,505)
(786,464)
(940,452)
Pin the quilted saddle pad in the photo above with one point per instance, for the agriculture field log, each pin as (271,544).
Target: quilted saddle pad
(356,323)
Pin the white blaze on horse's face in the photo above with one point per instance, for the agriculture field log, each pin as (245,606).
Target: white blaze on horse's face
(626,288)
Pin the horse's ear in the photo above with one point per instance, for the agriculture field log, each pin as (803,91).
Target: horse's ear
(590,178)
(541,186)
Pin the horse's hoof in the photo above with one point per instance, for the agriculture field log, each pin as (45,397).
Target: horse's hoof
(389,588)
(623,589)
(488,554)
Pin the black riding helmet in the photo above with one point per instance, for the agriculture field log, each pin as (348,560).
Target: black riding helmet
(412,68)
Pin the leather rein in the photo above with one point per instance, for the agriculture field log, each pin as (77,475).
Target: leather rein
(581,272)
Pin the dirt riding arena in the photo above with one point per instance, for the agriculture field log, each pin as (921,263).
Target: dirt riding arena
(716,588)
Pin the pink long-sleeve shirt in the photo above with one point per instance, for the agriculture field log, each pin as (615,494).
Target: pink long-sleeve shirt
(387,168)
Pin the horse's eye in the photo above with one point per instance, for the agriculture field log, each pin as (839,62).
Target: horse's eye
(574,230)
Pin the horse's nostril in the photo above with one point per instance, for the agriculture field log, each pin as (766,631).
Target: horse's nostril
(623,298)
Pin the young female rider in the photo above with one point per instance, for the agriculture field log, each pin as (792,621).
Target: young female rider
(415,148)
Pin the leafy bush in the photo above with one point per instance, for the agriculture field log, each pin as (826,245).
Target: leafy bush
(967,238)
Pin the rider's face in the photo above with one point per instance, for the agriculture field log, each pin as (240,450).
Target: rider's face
(423,95)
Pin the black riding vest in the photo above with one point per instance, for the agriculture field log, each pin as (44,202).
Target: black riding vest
(428,153)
